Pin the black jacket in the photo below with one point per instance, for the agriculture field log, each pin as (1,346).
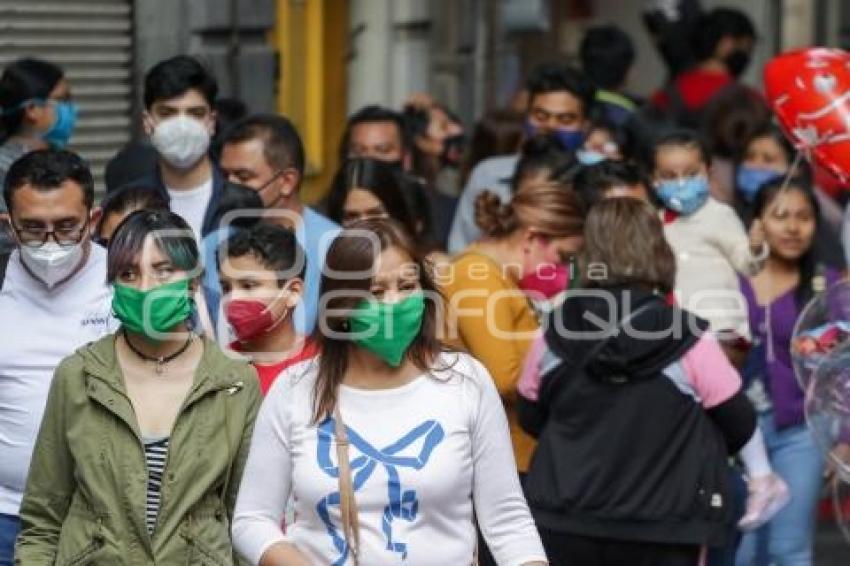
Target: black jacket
(623,452)
(226,197)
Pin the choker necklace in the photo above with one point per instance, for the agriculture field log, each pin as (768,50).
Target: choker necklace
(161,360)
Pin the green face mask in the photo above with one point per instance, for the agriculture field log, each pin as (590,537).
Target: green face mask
(154,311)
(387,329)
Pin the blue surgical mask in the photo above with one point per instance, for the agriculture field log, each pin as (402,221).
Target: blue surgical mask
(750,179)
(570,140)
(684,196)
(63,125)
(589,157)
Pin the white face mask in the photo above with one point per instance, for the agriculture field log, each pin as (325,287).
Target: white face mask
(182,141)
(52,263)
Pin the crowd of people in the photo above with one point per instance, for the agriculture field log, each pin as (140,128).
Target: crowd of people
(564,338)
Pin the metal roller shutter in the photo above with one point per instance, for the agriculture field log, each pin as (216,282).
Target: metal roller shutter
(93,42)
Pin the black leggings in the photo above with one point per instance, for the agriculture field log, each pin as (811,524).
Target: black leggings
(564,549)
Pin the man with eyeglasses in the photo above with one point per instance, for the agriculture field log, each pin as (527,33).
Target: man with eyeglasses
(264,152)
(53,299)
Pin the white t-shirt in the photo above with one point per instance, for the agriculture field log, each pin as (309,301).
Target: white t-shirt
(192,204)
(420,455)
(38,328)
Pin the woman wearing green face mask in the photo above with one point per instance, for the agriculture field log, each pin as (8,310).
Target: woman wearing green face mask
(145,432)
(387,441)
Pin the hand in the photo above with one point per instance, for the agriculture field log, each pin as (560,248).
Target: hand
(804,346)
(283,554)
(841,453)
(767,495)
(421,100)
(757,237)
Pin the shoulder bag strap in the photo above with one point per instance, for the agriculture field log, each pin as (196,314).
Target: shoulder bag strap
(347,501)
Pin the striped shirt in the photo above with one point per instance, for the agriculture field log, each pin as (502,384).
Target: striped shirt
(156,451)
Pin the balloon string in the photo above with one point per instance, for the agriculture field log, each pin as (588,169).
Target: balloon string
(792,171)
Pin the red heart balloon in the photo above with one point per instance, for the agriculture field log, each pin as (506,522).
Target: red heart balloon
(809,91)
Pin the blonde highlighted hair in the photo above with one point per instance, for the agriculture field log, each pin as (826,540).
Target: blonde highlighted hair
(551,209)
(624,240)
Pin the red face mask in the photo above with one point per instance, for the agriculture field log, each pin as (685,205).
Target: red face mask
(546,281)
(249,318)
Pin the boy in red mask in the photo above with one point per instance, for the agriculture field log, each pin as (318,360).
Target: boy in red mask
(261,270)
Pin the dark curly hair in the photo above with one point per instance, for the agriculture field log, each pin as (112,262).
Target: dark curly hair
(275,247)
(556,77)
(46,170)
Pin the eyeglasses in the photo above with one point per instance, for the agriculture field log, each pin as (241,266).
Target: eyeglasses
(65,237)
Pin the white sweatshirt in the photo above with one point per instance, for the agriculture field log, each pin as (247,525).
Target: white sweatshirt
(422,456)
(711,246)
(39,327)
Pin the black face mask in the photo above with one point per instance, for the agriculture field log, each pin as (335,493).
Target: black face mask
(737,62)
(453,150)
(397,165)
(236,198)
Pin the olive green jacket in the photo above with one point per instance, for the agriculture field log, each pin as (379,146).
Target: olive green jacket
(84,501)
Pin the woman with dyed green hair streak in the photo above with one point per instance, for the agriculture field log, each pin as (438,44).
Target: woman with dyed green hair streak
(146,431)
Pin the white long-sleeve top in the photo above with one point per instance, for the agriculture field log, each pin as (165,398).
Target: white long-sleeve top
(711,245)
(38,327)
(423,456)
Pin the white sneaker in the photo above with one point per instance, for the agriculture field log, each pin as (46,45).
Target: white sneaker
(767,496)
